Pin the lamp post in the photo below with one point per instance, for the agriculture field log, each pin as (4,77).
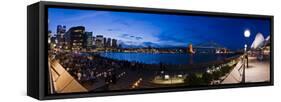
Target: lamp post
(247,34)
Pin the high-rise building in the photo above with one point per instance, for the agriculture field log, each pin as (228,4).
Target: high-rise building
(104,42)
(108,42)
(88,40)
(61,28)
(60,35)
(75,38)
(114,43)
(99,41)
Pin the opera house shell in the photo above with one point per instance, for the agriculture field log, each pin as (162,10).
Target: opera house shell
(259,41)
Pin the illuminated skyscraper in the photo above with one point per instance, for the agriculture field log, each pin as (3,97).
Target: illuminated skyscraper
(61,30)
(99,41)
(75,38)
(88,40)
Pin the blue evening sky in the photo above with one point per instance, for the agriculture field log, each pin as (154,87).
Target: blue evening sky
(160,30)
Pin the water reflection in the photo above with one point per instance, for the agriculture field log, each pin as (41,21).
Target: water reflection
(165,58)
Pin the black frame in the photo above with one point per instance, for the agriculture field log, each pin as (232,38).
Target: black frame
(37,67)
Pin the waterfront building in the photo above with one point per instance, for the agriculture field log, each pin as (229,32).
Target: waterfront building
(261,47)
(108,42)
(258,42)
(104,42)
(99,41)
(74,37)
(88,40)
(114,43)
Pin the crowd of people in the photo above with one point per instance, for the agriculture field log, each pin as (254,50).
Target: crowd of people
(87,67)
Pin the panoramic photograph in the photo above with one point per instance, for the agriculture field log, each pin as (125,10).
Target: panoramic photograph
(103,51)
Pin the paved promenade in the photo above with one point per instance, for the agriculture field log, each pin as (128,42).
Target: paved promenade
(258,71)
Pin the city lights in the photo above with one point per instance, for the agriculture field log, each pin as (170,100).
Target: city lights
(101,57)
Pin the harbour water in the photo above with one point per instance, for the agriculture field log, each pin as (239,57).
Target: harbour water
(165,58)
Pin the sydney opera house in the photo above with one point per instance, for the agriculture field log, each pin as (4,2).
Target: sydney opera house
(260,47)
(260,41)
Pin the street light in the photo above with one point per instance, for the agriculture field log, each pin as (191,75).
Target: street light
(245,47)
(247,34)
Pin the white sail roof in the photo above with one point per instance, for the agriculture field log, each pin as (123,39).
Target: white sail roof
(258,42)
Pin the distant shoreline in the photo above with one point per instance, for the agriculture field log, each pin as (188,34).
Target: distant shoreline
(176,67)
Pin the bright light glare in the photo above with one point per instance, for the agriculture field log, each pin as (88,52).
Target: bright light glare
(166,77)
(247,33)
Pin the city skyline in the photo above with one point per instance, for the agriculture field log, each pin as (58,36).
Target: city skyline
(102,51)
(159,30)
